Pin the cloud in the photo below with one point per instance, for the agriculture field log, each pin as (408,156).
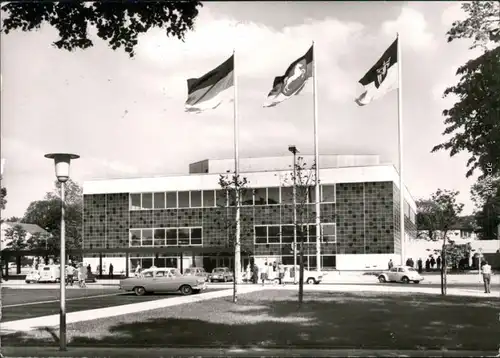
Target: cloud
(413,29)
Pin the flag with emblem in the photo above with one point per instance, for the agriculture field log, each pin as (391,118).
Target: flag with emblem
(293,81)
(210,90)
(381,78)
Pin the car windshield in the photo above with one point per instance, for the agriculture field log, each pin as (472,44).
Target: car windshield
(188,271)
(219,270)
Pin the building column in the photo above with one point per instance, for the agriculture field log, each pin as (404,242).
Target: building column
(194,259)
(127,263)
(100,265)
(182,262)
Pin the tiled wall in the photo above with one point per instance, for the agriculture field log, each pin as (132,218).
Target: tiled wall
(367,217)
(410,228)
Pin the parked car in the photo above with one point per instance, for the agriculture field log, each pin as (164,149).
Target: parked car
(163,280)
(223,274)
(310,277)
(403,274)
(196,271)
(33,276)
(49,273)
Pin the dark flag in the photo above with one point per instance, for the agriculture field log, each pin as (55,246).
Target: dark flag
(293,81)
(209,91)
(381,78)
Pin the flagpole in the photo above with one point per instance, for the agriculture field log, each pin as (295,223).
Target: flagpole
(316,166)
(400,152)
(237,246)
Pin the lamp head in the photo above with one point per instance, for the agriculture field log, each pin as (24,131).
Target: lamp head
(293,149)
(62,161)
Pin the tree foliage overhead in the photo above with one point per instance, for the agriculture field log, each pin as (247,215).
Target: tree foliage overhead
(118,23)
(473,121)
(486,197)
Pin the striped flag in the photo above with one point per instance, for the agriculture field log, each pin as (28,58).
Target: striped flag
(210,90)
(293,81)
(381,78)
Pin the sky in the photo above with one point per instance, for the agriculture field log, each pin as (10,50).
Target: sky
(125,117)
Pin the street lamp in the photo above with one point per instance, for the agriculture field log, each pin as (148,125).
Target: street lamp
(62,161)
(293,149)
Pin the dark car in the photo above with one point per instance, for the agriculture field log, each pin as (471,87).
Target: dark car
(196,271)
(221,274)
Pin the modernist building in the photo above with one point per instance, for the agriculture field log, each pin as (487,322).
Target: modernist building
(181,221)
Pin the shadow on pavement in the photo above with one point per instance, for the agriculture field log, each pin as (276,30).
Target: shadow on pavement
(271,319)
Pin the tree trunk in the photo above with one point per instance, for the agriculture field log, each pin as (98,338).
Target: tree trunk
(235,285)
(443,268)
(301,274)
(18,264)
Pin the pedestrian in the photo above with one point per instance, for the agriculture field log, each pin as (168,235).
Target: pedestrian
(281,273)
(138,270)
(110,271)
(427,265)
(263,273)
(486,271)
(89,269)
(390,264)
(419,264)
(408,262)
(70,274)
(433,262)
(248,272)
(81,276)
(269,272)
(438,262)
(255,276)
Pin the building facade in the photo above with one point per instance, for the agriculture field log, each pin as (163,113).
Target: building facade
(183,220)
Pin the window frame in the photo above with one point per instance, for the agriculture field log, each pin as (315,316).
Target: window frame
(164,200)
(130,206)
(334,193)
(191,200)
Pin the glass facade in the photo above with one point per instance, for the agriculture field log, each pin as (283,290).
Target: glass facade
(356,218)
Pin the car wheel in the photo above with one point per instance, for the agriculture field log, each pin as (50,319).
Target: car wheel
(405,280)
(139,291)
(276,281)
(310,281)
(186,290)
(382,279)
(417,281)
(27,281)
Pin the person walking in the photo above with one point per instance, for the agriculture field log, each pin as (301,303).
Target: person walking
(486,271)
(81,276)
(433,262)
(281,273)
(70,274)
(390,264)
(263,273)
(248,273)
(138,270)
(255,275)
(419,264)
(110,271)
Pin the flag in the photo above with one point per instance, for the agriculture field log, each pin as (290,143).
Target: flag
(293,81)
(381,78)
(209,91)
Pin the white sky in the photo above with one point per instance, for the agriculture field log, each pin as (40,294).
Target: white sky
(125,117)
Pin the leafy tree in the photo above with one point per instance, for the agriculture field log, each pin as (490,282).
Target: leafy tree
(235,188)
(486,197)
(117,23)
(437,216)
(16,238)
(473,119)
(47,214)
(303,178)
(3,195)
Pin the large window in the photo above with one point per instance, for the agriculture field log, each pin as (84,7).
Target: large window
(196,199)
(221,197)
(273,196)
(135,201)
(287,195)
(273,234)
(147,237)
(261,234)
(247,197)
(260,196)
(147,201)
(208,198)
(159,200)
(183,199)
(287,233)
(328,261)
(172,200)
(328,193)
(186,236)
(329,233)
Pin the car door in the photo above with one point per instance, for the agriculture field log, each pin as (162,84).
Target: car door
(391,275)
(400,273)
(147,280)
(159,281)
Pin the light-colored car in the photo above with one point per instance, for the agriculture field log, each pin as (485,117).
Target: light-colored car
(403,274)
(310,277)
(223,274)
(33,276)
(196,271)
(163,280)
(49,273)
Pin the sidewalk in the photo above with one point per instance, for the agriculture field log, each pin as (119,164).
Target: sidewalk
(230,352)
(87,315)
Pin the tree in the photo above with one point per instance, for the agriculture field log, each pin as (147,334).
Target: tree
(16,241)
(473,119)
(437,216)
(303,179)
(486,197)
(235,187)
(3,195)
(117,23)
(46,213)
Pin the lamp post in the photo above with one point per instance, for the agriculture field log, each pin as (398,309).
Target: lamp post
(62,161)
(480,250)
(293,149)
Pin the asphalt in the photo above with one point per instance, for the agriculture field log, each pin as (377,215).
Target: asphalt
(229,352)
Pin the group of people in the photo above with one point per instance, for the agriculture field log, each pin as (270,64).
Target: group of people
(430,263)
(267,272)
(78,270)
